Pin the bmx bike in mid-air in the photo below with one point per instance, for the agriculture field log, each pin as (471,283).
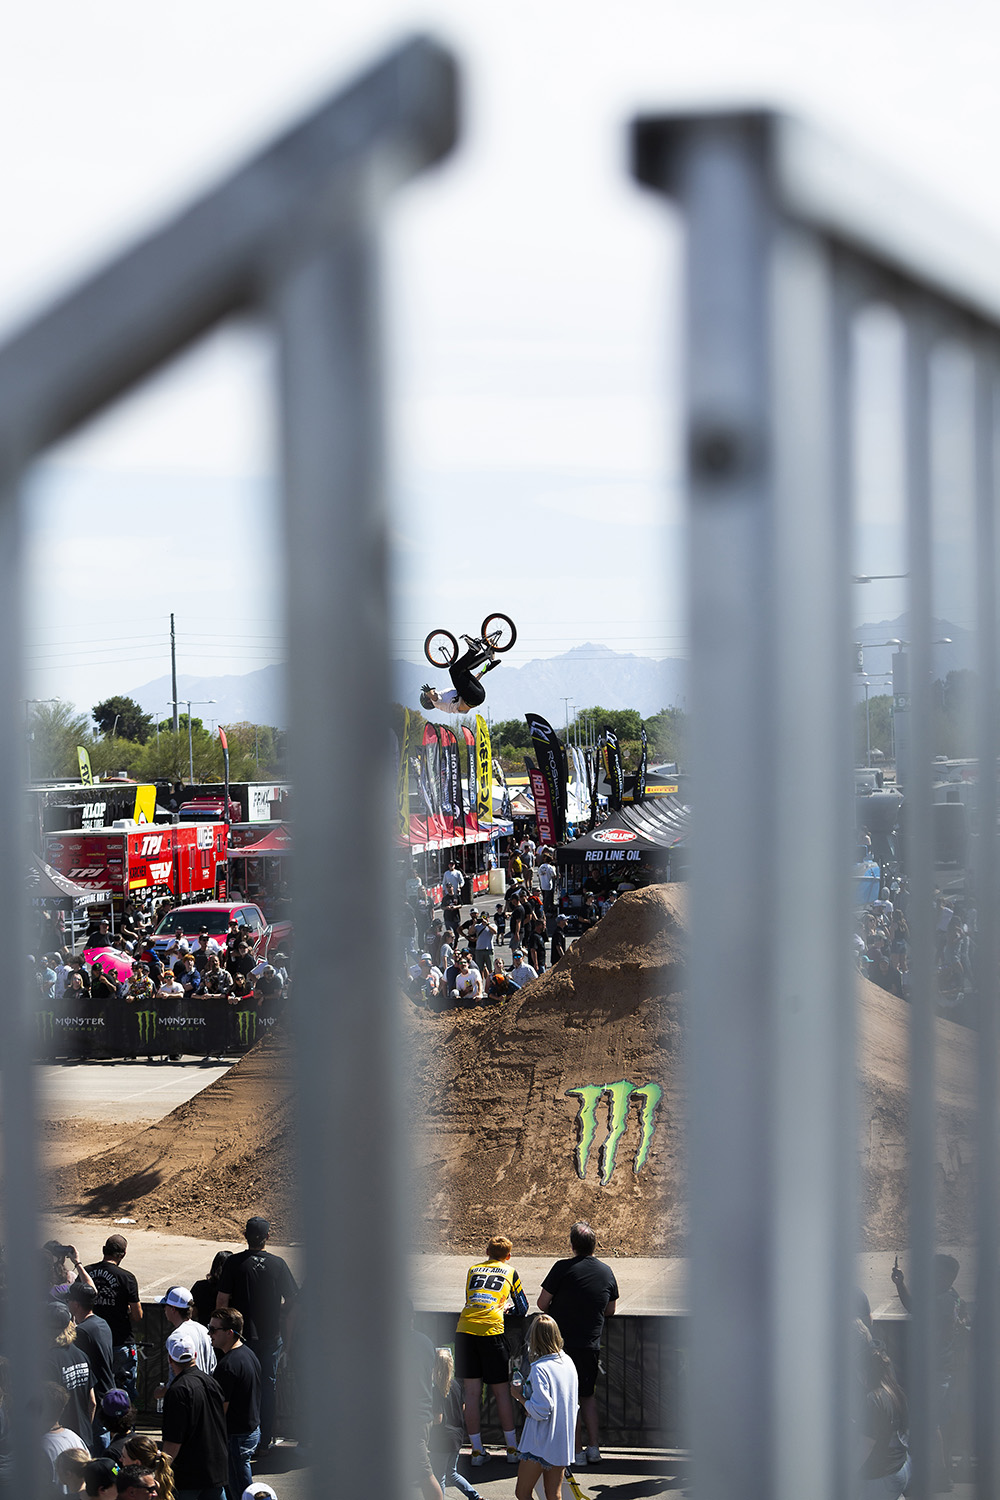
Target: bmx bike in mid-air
(497,635)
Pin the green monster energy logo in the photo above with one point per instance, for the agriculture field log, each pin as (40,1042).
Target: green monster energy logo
(147,1025)
(46,1025)
(620,1096)
(247,1020)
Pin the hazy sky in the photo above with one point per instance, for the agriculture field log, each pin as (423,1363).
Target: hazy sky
(531,295)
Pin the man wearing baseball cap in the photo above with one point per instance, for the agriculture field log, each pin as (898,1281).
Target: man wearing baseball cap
(178,1307)
(118,1304)
(194,1423)
(264,1290)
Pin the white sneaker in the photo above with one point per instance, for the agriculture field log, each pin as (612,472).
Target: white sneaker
(478,1458)
(580,1458)
(593,1455)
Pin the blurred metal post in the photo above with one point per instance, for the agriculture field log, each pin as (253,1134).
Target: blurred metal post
(290,235)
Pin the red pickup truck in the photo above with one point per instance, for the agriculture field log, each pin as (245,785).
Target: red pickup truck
(215,916)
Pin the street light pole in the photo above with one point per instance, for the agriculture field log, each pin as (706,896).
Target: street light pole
(200,702)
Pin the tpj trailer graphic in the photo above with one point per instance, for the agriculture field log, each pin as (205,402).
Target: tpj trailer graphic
(620,1096)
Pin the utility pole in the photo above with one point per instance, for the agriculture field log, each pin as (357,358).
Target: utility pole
(173,675)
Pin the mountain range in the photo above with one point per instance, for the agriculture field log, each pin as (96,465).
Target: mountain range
(584,677)
(587,675)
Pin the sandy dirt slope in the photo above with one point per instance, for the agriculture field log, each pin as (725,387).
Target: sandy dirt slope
(499,1133)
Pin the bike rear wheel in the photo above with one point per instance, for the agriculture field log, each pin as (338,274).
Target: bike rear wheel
(441,648)
(500,632)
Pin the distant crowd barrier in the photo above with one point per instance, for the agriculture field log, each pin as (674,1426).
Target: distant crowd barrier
(115,1028)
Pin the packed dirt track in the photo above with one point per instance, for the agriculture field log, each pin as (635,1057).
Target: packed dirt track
(566,1102)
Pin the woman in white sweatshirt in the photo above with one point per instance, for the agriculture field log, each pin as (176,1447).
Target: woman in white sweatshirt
(550,1397)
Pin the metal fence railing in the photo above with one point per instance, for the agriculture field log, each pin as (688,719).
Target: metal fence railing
(788,241)
(293,239)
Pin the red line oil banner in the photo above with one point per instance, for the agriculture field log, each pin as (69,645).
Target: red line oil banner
(613,763)
(543,806)
(430,781)
(403,782)
(551,753)
(639,790)
(484,774)
(471,822)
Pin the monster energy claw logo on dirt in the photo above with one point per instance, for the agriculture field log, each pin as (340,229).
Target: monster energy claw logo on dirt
(620,1096)
(247,1021)
(146,1020)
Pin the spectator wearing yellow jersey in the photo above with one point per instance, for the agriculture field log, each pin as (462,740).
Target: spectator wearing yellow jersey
(481,1352)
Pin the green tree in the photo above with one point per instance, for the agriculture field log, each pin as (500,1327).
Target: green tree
(116,754)
(166,755)
(666,732)
(124,718)
(54,729)
(625,722)
(511,735)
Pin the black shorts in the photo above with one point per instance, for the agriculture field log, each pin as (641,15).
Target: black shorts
(482,1356)
(586,1361)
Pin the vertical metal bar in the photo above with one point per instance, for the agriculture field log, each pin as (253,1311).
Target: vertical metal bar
(986,1327)
(23,1338)
(919,845)
(724,198)
(350,1084)
(813,1015)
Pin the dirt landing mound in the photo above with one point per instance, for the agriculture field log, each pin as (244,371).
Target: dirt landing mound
(227,1153)
(503,1139)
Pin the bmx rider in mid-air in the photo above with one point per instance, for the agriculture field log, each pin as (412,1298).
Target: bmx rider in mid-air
(467,691)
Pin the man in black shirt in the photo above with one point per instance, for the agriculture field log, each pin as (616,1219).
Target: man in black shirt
(580,1293)
(118,1304)
(238,1374)
(194,1424)
(93,1339)
(263,1288)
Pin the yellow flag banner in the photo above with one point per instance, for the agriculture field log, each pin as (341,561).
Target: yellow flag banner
(145,804)
(403,781)
(86,774)
(484,774)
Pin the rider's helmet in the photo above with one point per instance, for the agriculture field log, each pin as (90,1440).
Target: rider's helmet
(426,701)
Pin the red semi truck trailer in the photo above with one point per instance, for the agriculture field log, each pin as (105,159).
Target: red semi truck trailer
(184,859)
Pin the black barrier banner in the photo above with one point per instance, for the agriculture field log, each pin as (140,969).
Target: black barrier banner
(551,755)
(613,762)
(117,1029)
(639,790)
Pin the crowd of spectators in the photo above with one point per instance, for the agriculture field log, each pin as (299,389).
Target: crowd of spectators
(222,1352)
(454,961)
(882,943)
(223,968)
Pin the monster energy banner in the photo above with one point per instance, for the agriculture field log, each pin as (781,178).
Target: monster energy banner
(639,790)
(551,755)
(116,1029)
(613,762)
(501,779)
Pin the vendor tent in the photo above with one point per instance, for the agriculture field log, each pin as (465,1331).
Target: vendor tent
(50,890)
(643,833)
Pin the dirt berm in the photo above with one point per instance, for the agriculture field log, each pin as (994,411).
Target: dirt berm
(516,1108)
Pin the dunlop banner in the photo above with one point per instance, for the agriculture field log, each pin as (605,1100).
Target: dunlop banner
(86,774)
(484,774)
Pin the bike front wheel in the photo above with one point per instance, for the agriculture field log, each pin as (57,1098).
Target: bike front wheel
(500,632)
(441,648)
